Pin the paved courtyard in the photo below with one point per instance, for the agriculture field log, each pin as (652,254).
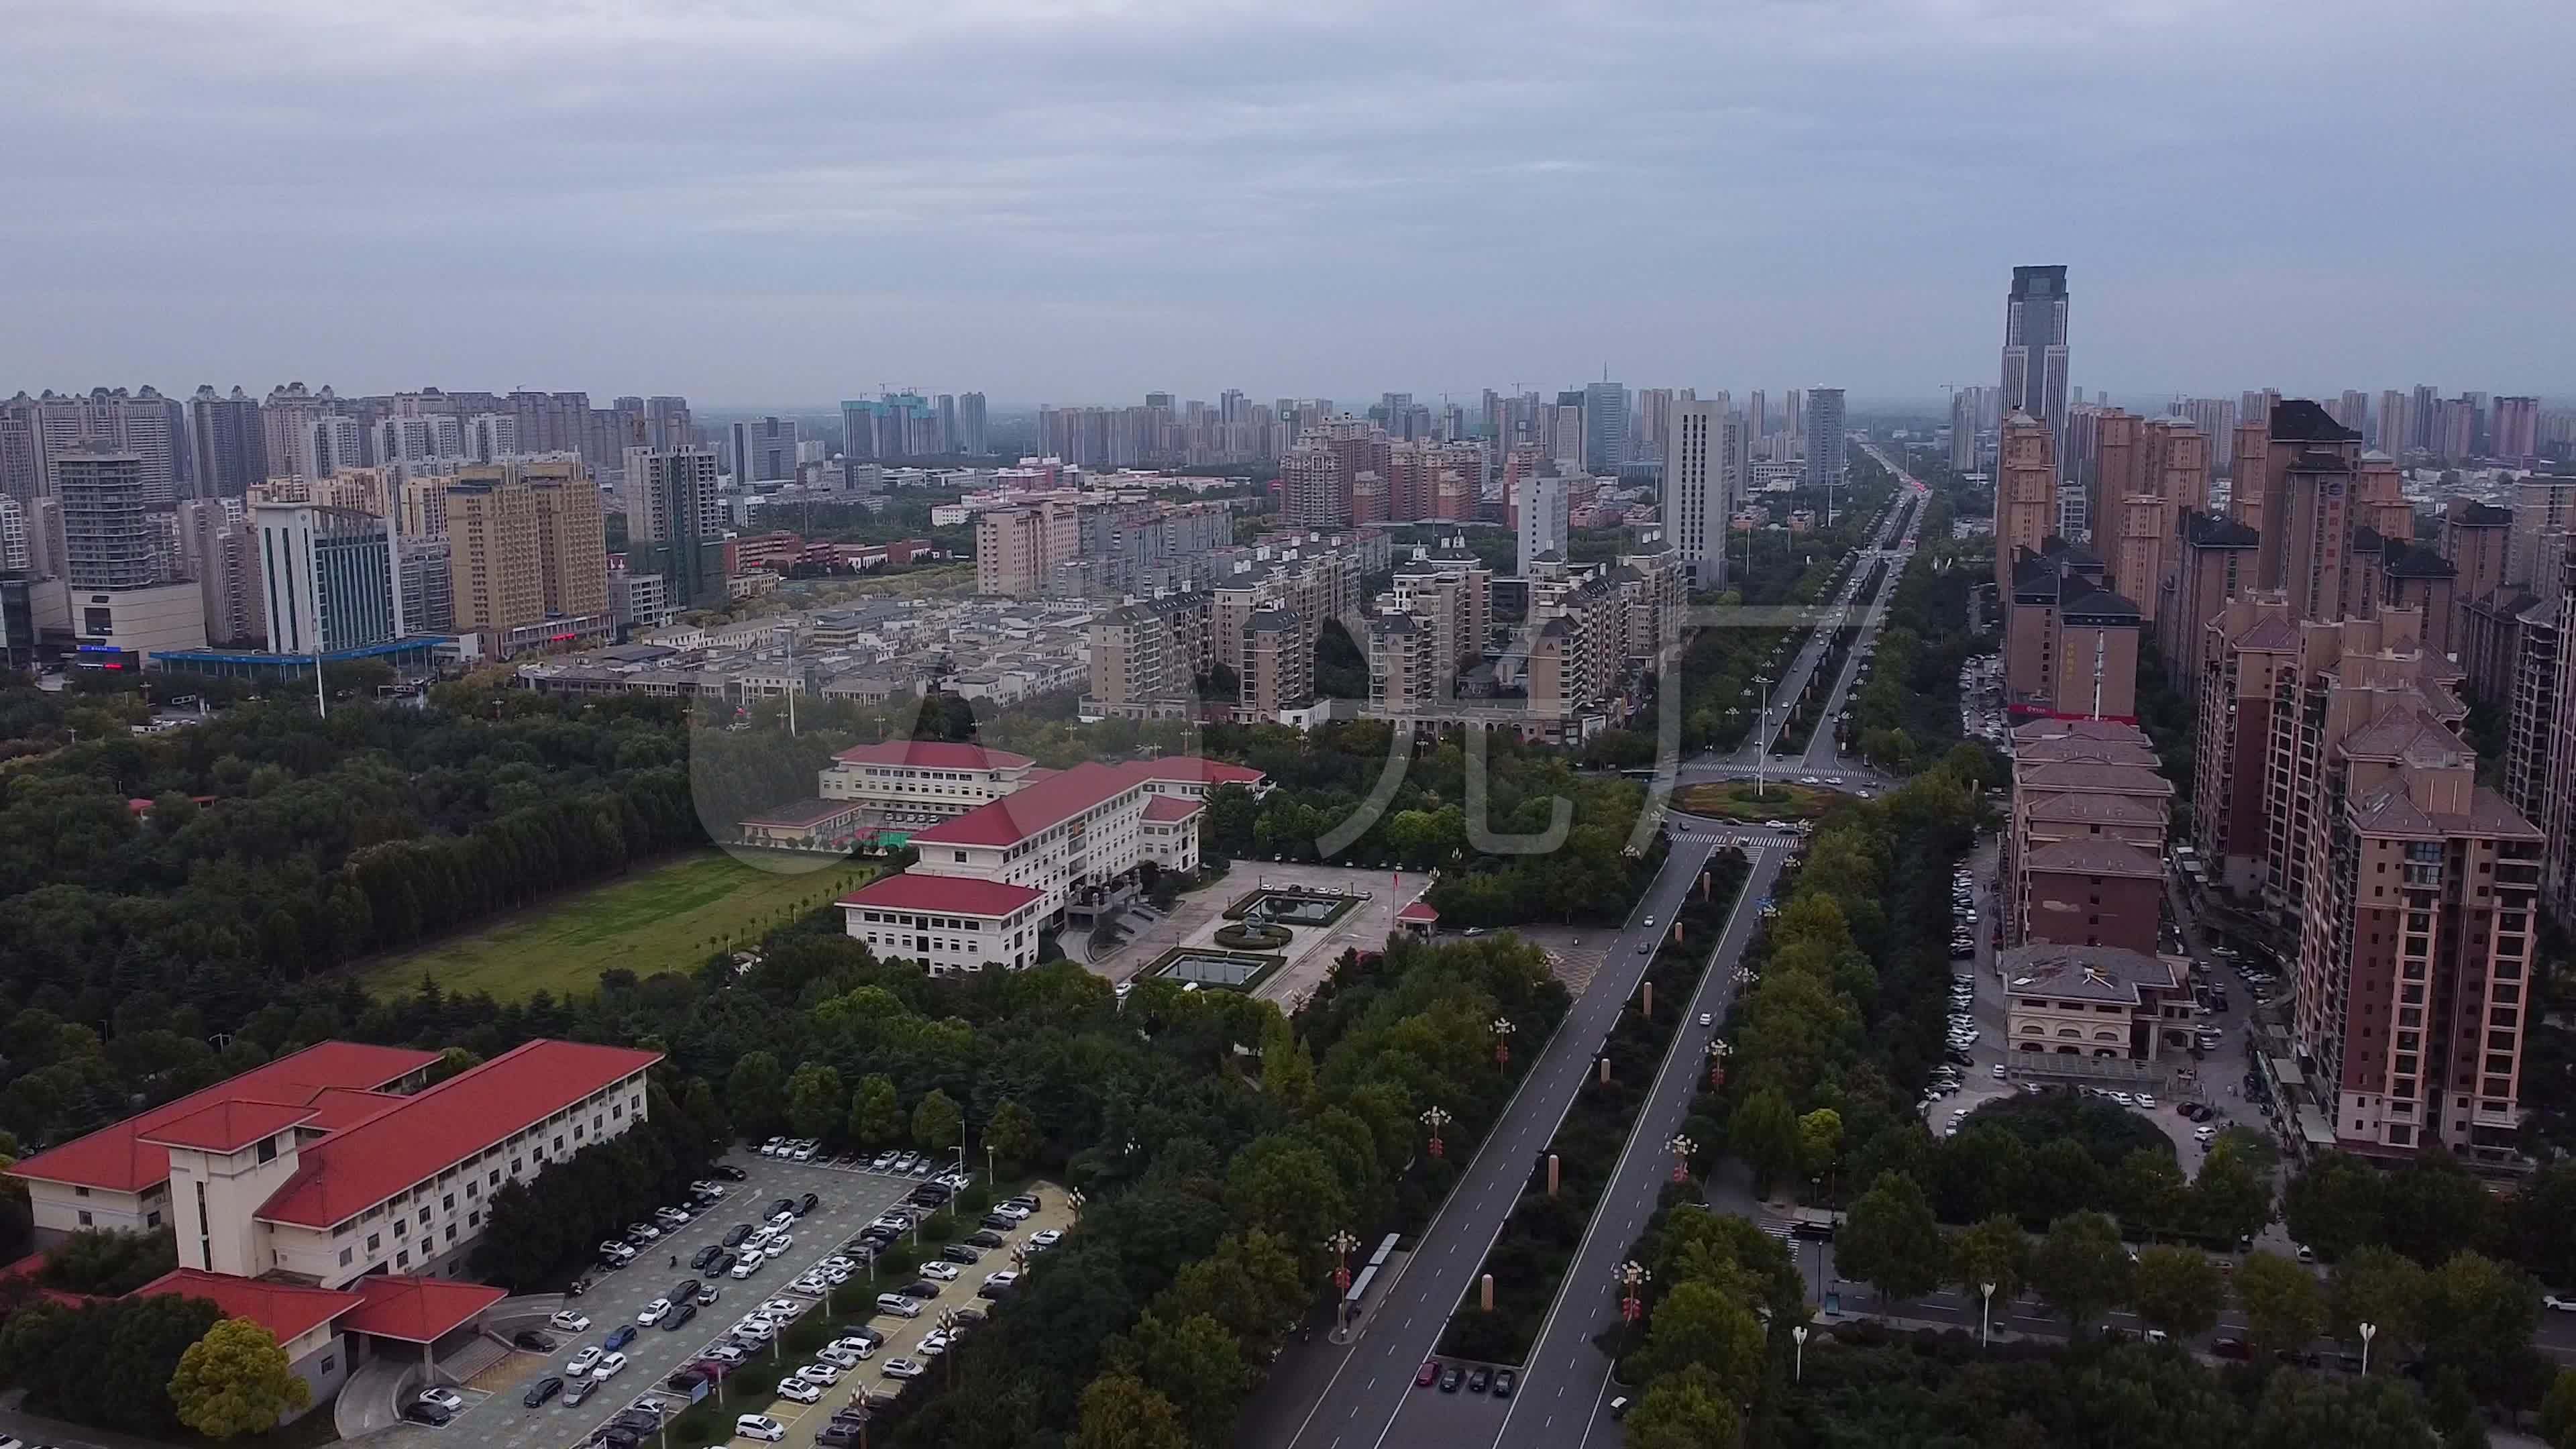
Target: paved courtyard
(1195,918)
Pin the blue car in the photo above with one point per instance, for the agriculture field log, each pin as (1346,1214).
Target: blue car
(623,1335)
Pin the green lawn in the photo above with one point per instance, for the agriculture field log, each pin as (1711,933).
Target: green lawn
(666,918)
(1736,800)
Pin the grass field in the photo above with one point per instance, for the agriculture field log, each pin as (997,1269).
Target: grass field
(1735,800)
(666,918)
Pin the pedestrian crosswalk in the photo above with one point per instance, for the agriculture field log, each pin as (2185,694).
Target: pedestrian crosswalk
(1741,839)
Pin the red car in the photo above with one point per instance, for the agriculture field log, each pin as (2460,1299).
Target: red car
(1429,1375)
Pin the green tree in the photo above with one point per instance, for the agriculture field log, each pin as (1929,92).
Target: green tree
(1286,1185)
(756,1093)
(2335,1205)
(1764,1132)
(2558,1411)
(2303,1411)
(876,1116)
(1119,1412)
(1703,1325)
(1890,1241)
(2384,1288)
(2479,1317)
(1012,1135)
(1197,1365)
(2148,1186)
(2284,1307)
(2178,1290)
(1287,1068)
(1820,1136)
(814,1101)
(937,1124)
(2232,1198)
(235,1380)
(1991,1250)
(2081,1267)
(1690,1409)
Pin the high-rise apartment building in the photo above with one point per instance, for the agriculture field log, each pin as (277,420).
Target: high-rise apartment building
(15,555)
(2035,346)
(763,449)
(1703,487)
(2388,432)
(1825,440)
(400,441)
(227,445)
(1017,549)
(1312,492)
(328,578)
(525,544)
(2544,513)
(218,549)
(2513,431)
(572,548)
(108,535)
(1148,658)
(675,522)
(2353,410)
(971,427)
(36,432)
(2025,492)
(1542,508)
(1966,407)
(2083,852)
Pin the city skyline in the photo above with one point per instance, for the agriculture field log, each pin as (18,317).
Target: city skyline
(1103,222)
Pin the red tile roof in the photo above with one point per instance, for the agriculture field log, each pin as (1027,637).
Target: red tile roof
(286,1310)
(1033,809)
(913,891)
(372,1159)
(1163,809)
(227,1126)
(932,755)
(1417,912)
(1191,769)
(416,1310)
(115,1159)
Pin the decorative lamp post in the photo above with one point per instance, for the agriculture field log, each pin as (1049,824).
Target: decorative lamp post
(1074,1200)
(1632,1276)
(1798,1335)
(948,1345)
(1717,1053)
(2369,1331)
(1503,1029)
(1435,1118)
(1340,1245)
(1681,1147)
(1985,1312)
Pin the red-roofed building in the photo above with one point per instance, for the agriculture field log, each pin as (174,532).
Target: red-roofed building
(116,1178)
(948,923)
(1418,918)
(337,1163)
(906,784)
(418,1310)
(305,1321)
(1171,831)
(1194,778)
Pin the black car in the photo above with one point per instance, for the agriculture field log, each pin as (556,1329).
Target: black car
(1001,1222)
(642,1421)
(542,1390)
(807,1204)
(1504,1380)
(705,1255)
(1478,1381)
(838,1433)
(930,1195)
(617,1436)
(960,1253)
(1450,1380)
(434,1415)
(785,1205)
(685,1289)
(728,1172)
(985,1239)
(719,1265)
(734,1235)
(681,1312)
(529,1338)
(919,1289)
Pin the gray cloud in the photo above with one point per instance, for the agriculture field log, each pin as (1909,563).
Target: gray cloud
(785,201)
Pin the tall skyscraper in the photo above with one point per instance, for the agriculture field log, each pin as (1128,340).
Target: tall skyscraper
(2353,409)
(1756,424)
(34,432)
(764,450)
(1966,407)
(15,556)
(1825,441)
(107,525)
(2513,436)
(2035,355)
(1605,426)
(1542,507)
(970,425)
(329,578)
(227,445)
(1566,433)
(675,524)
(2388,430)
(1703,482)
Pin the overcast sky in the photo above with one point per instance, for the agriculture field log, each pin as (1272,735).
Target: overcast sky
(790,201)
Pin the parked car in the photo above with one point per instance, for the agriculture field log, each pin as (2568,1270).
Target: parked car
(903,1368)
(760,1426)
(445,1398)
(542,1390)
(610,1367)
(430,1414)
(1505,1380)
(1450,1380)
(1428,1374)
(568,1321)
(618,1337)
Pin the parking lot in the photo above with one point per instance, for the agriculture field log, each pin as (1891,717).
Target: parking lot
(849,1197)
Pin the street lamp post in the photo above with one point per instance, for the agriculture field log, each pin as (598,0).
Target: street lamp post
(1503,1029)
(948,1342)
(1798,1335)
(2369,1331)
(1435,1118)
(1074,1200)
(1632,1276)
(1340,1245)
(1681,1147)
(1761,740)
(1985,1312)
(1717,1051)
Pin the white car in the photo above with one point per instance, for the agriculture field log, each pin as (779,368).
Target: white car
(881,1162)
(800,1391)
(902,1368)
(784,1309)
(568,1321)
(756,1326)
(944,1272)
(2147,1100)
(779,1244)
(1046,1238)
(838,1357)
(813,1283)
(749,1263)
(1003,1279)
(580,1364)
(820,1373)
(854,1347)
(654,1312)
(1707,1020)
(1650,922)
(610,1367)
(448,1399)
(2550,1301)
(1012,1210)
(932,1345)
(760,1426)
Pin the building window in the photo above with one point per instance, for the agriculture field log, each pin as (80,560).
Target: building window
(403,1258)
(474,1219)
(451,1232)
(268,1149)
(375,1244)
(85,1220)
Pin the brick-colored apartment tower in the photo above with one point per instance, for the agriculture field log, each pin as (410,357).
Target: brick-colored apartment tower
(2025,495)
(2250,644)
(2083,853)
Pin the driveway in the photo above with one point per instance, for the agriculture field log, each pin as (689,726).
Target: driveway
(495,1419)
